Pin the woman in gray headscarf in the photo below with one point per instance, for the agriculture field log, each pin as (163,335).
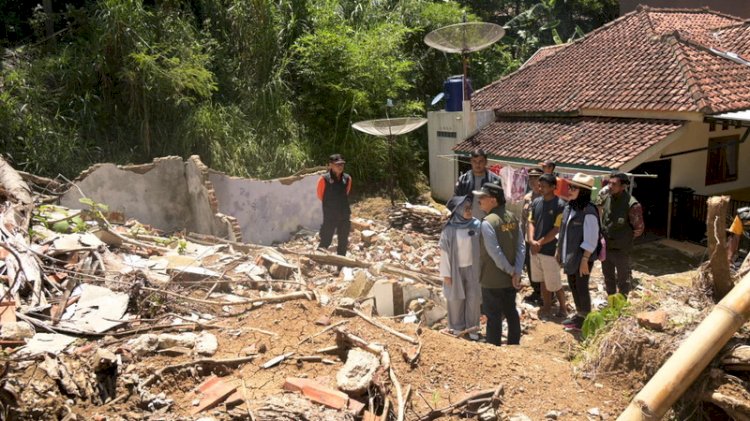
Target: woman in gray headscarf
(459,266)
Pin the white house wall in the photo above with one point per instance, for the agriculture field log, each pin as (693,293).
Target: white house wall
(689,170)
(443,167)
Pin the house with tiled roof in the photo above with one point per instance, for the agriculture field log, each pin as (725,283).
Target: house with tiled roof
(664,92)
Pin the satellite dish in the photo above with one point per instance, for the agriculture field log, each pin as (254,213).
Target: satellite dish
(464,38)
(389,128)
(437,98)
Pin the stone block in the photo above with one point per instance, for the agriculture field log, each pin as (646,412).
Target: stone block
(356,375)
(360,286)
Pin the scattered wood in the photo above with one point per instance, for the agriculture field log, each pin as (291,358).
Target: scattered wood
(336,260)
(411,354)
(487,395)
(70,285)
(206,361)
(379,325)
(717,245)
(331,327)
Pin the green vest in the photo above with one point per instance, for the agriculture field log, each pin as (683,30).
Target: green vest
(506,230)
(615,222)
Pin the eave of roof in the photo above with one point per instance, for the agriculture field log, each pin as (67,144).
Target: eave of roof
(595,143)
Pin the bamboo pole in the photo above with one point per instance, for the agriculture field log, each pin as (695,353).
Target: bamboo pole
(692,357)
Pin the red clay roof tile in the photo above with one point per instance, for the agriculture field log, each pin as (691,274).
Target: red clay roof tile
(602,142)
(650,59)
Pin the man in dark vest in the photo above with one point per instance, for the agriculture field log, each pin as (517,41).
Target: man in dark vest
(474,179)
(501,254)
(622,222)
(333,190)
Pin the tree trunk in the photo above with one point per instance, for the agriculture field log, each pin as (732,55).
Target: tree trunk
(717,245)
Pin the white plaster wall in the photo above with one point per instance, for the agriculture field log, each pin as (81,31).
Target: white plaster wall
(269,211)
(444,171)
(689,170)
(156,196)
(202,217)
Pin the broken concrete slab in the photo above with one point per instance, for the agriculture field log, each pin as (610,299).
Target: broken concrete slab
(206,344)
(355,376)
(16,330)
(51,343)
(98,309)
(360,286)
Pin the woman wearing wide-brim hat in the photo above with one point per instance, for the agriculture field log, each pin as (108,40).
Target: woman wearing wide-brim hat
(577,245)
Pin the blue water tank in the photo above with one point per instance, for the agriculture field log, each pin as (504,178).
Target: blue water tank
(453,89)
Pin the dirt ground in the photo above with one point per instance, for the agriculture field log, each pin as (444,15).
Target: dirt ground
(538,376)
(542,378)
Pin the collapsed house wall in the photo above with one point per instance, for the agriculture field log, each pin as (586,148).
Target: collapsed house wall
(171,195)
(154,194)
(269,210)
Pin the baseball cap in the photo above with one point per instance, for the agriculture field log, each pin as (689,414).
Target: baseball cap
(490,189)
(336,159)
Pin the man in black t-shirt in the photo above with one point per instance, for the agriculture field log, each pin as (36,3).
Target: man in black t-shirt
(544,223)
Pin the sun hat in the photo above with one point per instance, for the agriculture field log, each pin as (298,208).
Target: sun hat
(583,181)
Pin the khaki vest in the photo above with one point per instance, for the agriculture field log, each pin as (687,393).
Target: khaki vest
(506,230)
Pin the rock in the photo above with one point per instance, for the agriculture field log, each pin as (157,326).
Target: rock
(262,348)
(144,344)
(171,340)
(356,375)
(16,330)
(655,320)
(488,415)
(103,359)
(594,412)
(368,237)
(346,302)
(206,344)
(433,313)
(360,286)
(552,415)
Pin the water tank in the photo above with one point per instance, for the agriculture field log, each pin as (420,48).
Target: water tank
(453,89)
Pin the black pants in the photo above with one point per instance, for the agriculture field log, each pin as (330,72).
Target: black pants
(340,225)
(617,261)
(579,286)
(499,303)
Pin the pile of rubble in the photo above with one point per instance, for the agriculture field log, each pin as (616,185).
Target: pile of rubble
(418,218)
(87,301)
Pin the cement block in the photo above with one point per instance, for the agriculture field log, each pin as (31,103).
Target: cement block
(360,286)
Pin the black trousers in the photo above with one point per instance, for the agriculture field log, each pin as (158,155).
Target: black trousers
(499,303)
(341,226)
(617,261)
(579,286)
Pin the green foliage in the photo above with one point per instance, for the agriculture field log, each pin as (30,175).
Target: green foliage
(257,88)
(596,321)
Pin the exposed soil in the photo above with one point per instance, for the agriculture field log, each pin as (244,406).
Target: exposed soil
(549,373)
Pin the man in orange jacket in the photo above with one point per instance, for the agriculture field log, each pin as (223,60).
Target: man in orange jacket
(333,191)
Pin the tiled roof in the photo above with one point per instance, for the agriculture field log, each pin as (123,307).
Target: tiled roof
(543,53)
(650,59)
(590,142)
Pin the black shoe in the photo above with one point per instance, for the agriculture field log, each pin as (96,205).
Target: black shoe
(573,322)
